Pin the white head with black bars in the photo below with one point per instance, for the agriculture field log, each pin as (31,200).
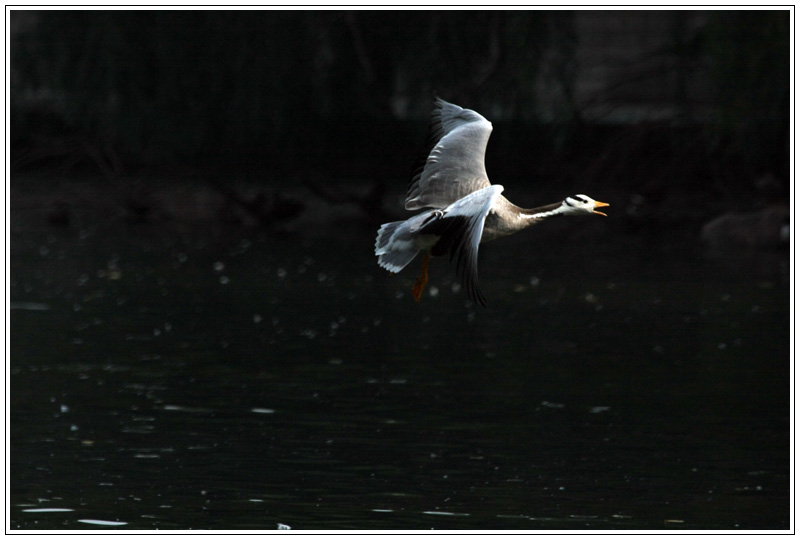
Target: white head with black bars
(581,204)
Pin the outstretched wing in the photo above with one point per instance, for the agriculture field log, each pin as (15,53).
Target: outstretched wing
(453,165)
(460,228)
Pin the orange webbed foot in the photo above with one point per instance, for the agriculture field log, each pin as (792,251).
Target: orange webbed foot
(418,287)
(422,280)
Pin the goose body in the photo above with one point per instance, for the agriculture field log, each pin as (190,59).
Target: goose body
(461,208)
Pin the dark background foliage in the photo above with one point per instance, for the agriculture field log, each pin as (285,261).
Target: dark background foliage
(657,104)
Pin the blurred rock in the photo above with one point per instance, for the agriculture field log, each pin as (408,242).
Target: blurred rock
(767,228)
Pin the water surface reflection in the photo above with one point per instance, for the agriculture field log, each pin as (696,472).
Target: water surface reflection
(256,380)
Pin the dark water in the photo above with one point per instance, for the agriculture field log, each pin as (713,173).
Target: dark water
(199,380)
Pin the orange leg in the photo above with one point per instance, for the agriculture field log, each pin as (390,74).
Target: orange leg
(422,280)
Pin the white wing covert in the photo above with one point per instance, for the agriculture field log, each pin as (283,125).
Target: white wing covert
(460,228)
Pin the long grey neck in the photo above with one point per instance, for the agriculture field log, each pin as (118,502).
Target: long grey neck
(509,218)
(541,212)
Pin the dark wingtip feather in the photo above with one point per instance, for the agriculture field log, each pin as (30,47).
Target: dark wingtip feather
(469,277)
(434,135)
(453,233)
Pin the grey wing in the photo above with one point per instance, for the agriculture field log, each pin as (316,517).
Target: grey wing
(460,228)
(453,165)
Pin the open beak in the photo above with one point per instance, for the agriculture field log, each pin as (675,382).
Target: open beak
(598,204)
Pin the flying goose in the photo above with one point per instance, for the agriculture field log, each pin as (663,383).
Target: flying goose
(461,208)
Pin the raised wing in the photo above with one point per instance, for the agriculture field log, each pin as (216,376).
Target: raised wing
(460,228)
(453,165)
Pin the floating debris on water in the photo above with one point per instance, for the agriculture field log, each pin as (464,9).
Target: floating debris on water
(599,409)
(46,510)
(102,522)
(309,333)
(30,306)
(185,409)
(259,410)
(113,271)
(552,405)
(283,527)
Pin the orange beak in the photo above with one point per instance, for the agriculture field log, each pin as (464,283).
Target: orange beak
(598,204)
